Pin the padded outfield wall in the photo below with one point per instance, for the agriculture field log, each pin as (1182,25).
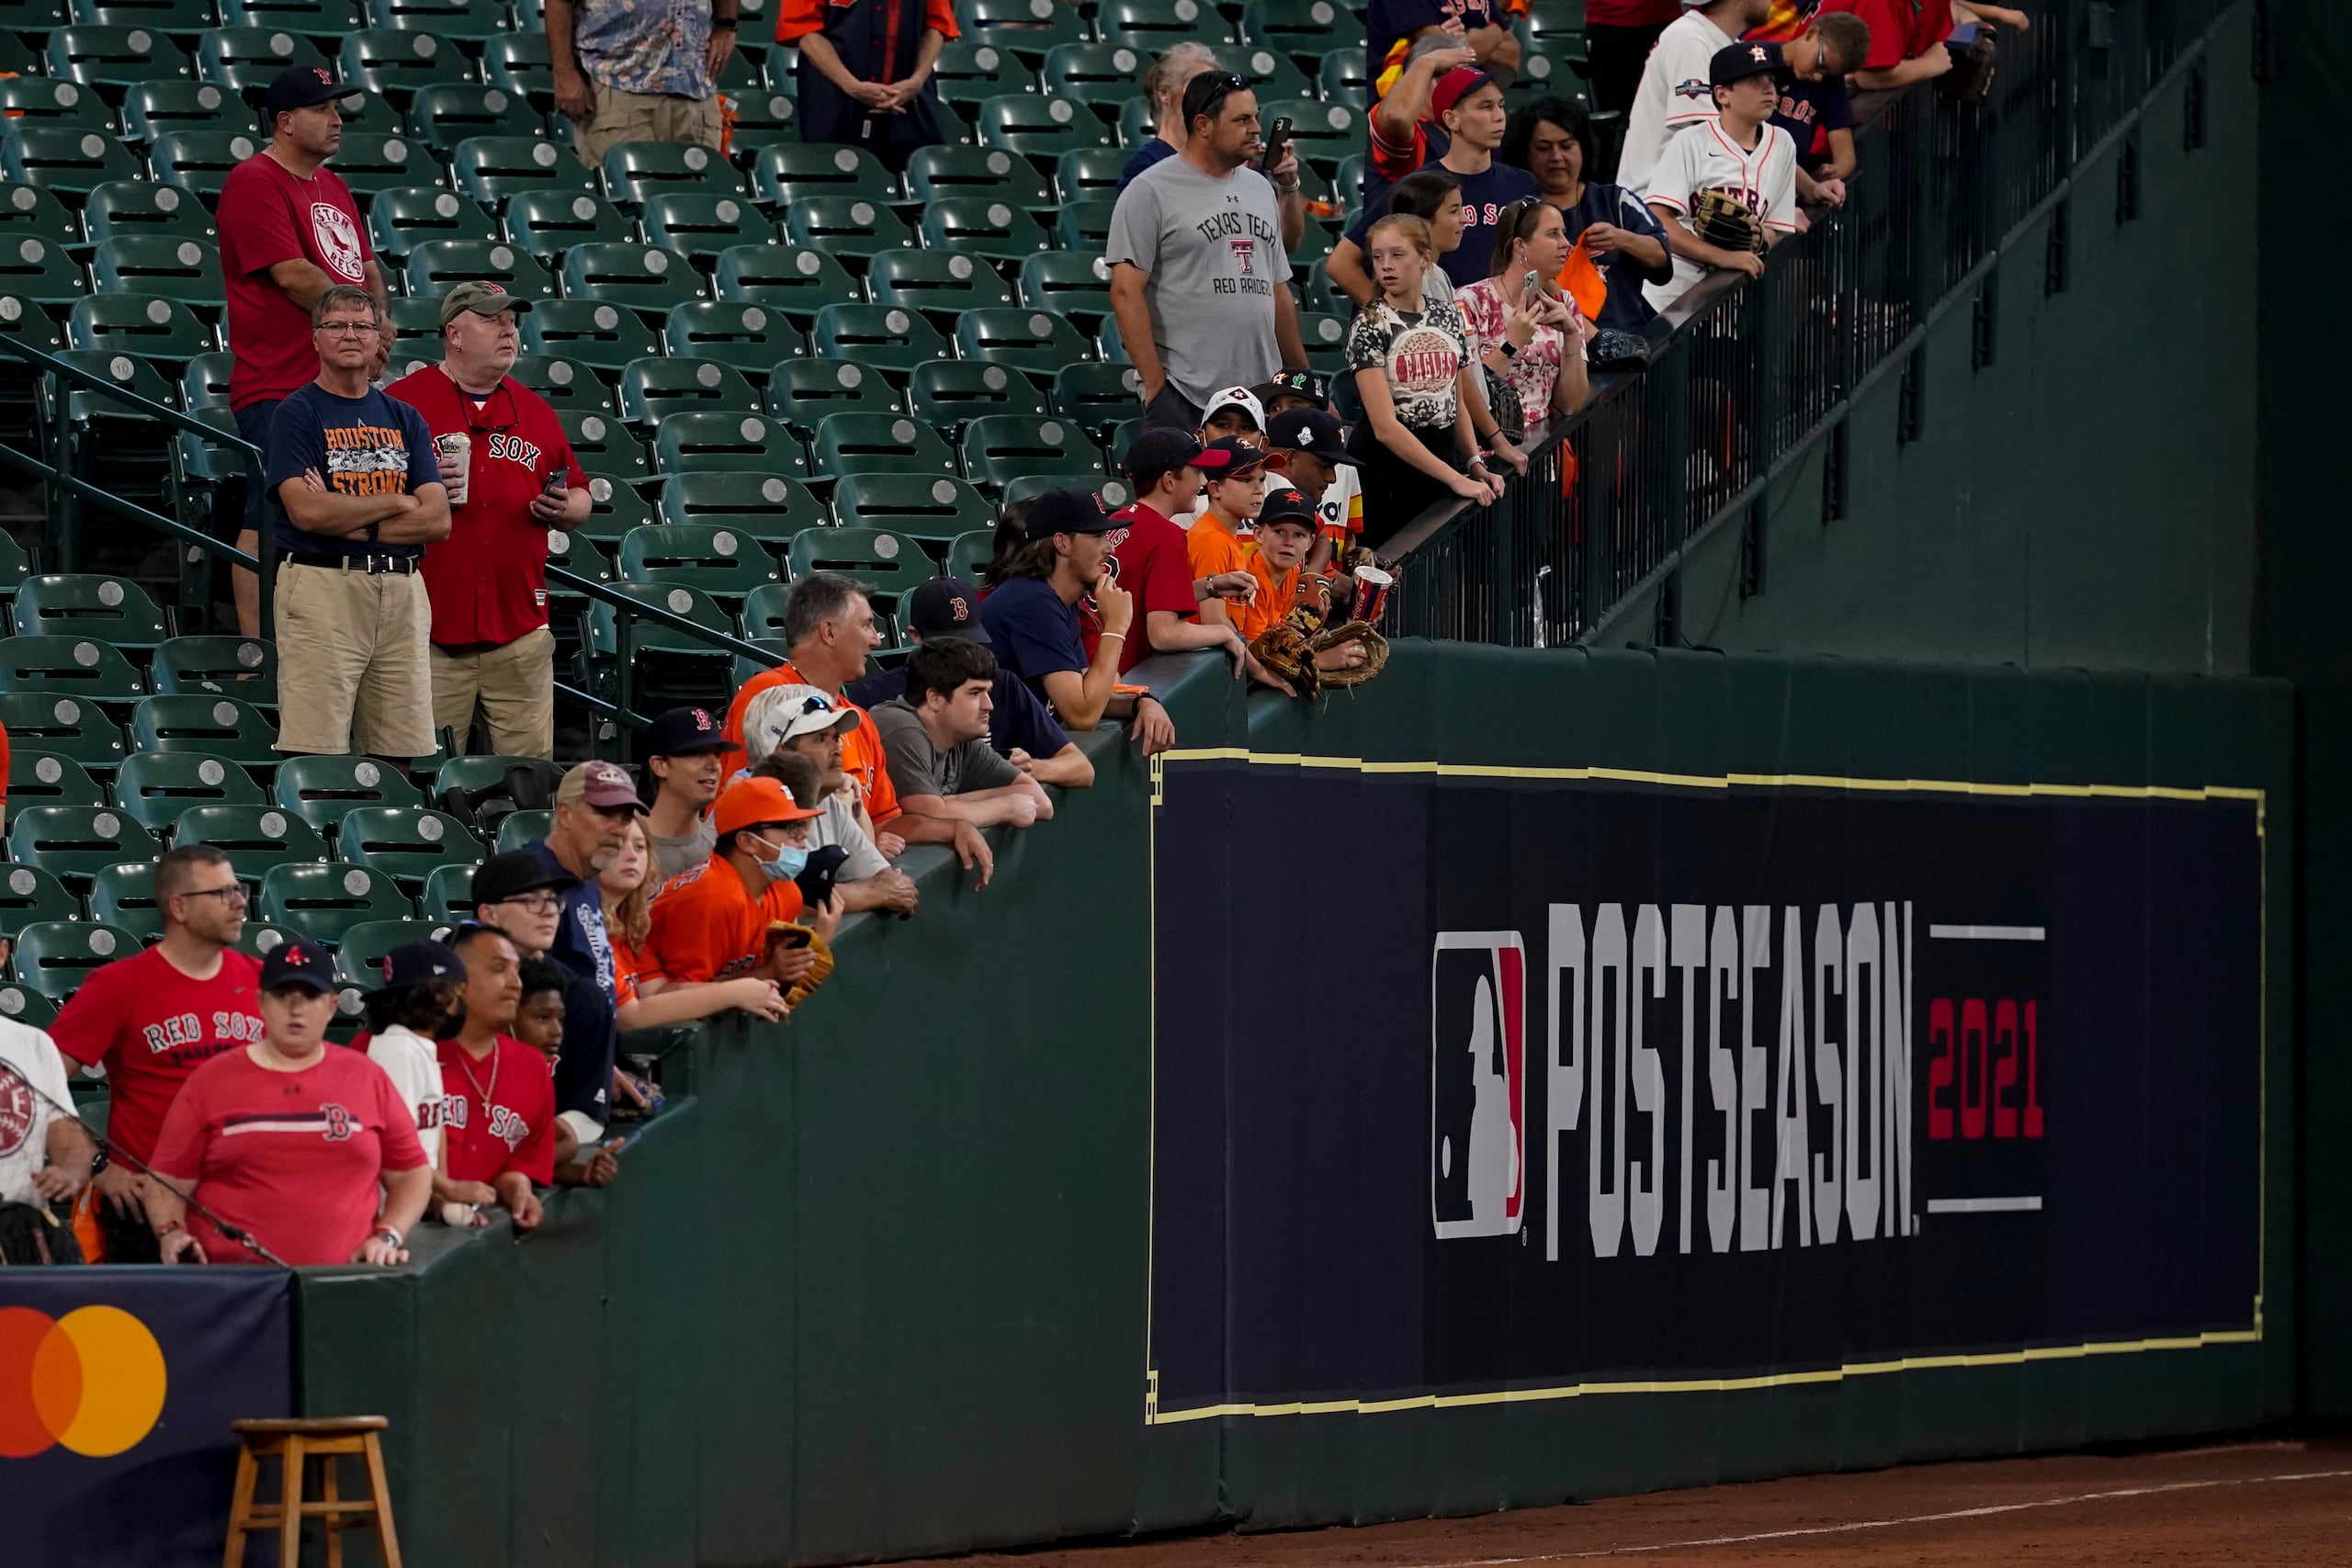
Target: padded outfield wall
(1533,1076)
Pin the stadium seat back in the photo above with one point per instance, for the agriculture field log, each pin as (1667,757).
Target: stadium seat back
(948,394)
(518,62)
(973,69)
(220,727)
(204,381)
(66,725)
(743,442)
(1084,227)
(77,666)
(329,19)
(322,790)
(699,225)
(148,325)
(968,554)
(70,842)
(172,267)
(467,19)
(889,564)
(881,337)
(156,787)
(491,168)
(854,227)
(920,506)
(123,897)
(766,507)
(1115,493)
(549,222)
(449,895)
(647,278)
(1092,73)
(54,958)
(1089,172)
(1039,129)
(200,162)
(142,207)
(1077,287)
(565,383)
(39,272)
(69,158)
(1151,26)
(41,100)
(990,172)
(28,894)
(614,508)
(597,333)
(787,172)
(1036,341)
(880,444)
(404,842)
(797,281)
(104,55)
(48,778)
(762,618)
(1326,133)
(483,789)
(941,282)
(631,171)
(712,557)
(254,837)
(764,118)
(803,392)
(376,161)
(1272,75)
(396,63)
(243,59)
(998,448)
(109,609)
(442,114)
(405,217)
(678,599)
(363,945)
(1030,29)
(751,339)
(654,388)
(324,900)
(1099,397)
(604,445)
(437,265)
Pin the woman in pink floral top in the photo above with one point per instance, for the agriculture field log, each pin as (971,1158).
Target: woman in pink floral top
(1535,343)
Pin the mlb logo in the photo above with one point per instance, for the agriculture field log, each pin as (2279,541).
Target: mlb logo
(1477,1084)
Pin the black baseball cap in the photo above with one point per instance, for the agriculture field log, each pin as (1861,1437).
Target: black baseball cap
(1288,505)
(1068,512)
(501,876)
(1311,431)
(299,86)
(1160,451)
(1738,62)
(946,606)
(298,961)
(1291,382)
(681,732)
(414,963)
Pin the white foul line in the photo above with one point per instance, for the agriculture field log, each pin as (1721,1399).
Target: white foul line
(1984,1205)
(1986,1512)
(1987,933)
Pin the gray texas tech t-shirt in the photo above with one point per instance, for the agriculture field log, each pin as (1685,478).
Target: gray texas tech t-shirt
(1214,249)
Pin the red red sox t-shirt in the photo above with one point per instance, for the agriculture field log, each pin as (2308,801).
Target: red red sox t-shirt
(1154,566)
(151,1026)
(293,1158)
(498,1113)
(267,215)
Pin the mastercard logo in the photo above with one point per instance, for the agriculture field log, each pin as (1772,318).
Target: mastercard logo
(91,1381)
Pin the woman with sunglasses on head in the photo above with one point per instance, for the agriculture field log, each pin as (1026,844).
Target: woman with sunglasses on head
(646,1000)
(1552,139)
(1533,339)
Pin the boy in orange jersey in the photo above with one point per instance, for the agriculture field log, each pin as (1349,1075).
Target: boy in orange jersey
(711,923)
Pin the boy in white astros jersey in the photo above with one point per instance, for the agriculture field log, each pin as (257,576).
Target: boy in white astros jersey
(1740,153)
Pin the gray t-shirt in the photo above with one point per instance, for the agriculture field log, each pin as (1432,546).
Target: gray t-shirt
(671,856)
(918,767)
(1214,249)
(839,825)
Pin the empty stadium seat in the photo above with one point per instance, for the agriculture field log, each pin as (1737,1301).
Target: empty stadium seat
(405,217)
(72,158)
(70,842)
(549,221)
(796,280)
(142,207)
(436,266)
(788,172)
(54,958)
(404,842)
(968,554)
(66,725)
(244,58)
(646,278)
(322,790)
(981,226)
(565,383)
(171,267)
(220,727)
(156,787)
(1075,285)
(766,507)
(151,327)
(77,666)
(198,162)
(880,444)
(1092,73)
(110,609)
(920,506)
(469,20)
(632,171)
(855,226)
(745,442)
(1036,341)
(754,339)
(595,333)
(1083,172)
(1037,128)
(613,508)
(717,559)
(101,55)
(449,894)
(881,337)
(1151,26)
(699,225)
(256,837)
(28,895)
(491,168)
(483,790)
(940,281)
(802,391)
(654,388)
(1084,226)
(442,114)
(889,564)
(946,393)
(1000,448)
(40,272)
(992,171)
(397,63)
(1030,29)
(45,778)
(664,668)
(40,100)
(1099,397)
(325,899)
(604,445)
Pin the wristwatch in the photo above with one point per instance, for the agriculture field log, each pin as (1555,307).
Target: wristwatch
(1507,349)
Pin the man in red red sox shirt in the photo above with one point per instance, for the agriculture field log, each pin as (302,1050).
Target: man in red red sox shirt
(516,479)
(498,1095)
(289,231)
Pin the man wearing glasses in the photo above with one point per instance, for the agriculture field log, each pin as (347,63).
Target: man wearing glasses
(510,479)
(153,1018)
(355,472)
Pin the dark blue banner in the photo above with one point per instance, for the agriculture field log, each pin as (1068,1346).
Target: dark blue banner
(117,1388)
(1545,1086)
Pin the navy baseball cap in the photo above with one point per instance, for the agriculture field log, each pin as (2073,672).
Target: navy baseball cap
(1230,458)
(1311,431)
(1738,62)
(1291,382)
(299,86)
(946,606)
(1288,505)
(501,876)
(1068,512)
(414,963)
(683,731)
(298,961)
(1160,451)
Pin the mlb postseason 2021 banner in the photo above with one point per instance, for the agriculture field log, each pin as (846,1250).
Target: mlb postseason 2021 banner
(117,1390)
(1555,1084)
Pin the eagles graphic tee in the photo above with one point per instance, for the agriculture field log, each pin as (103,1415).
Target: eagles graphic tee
(370,445)
(1213,250)
(268,214)
(1421,354)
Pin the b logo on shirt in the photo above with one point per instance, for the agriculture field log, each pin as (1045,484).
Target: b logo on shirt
(338,240)
(338,1120)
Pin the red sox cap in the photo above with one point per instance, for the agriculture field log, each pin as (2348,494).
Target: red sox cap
(683,731)
(298,961)
(946,606)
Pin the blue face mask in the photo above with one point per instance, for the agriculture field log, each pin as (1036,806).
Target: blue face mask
(788,864)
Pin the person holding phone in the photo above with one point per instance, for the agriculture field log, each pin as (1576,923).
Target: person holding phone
(711,923)
(1524,331)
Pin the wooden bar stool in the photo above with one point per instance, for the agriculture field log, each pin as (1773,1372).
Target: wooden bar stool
(293,1443)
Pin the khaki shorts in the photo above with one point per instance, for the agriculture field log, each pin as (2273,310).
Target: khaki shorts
(644,117)
(514,686)
(351,665)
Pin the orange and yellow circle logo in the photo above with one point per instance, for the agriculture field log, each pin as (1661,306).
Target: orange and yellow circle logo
(92,1381)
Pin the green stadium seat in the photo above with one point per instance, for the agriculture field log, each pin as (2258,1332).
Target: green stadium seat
(664,668)
(29,212)
(1555,18)
(97,55)
(1326,338)
(941,282)
(360,952)
(1325,134)
(717,559)
(164,331)
(1098,397)
(973,69)
(1077,287)
(654,388)
(256,837)
(1298,28)
(449,895)
(371,114)
(66,725)
(312,18)
(141,206)
(204,381)
(889,564)
(634,170)
(945,394)
(880,444)
(70,842)
(1038,343)
(220,727)
(752,339)
(762,618)
(54,958)
(241,666)
(405,843)
(416,328)
(748,443)
(404,217)
(968,554)
(517,63)
(28,895)
(35,273)
(647,278)
(605,445)
(1341,79)
(763,117)
(45,778)
(442,114)
(182,17)
(1088,173)
(123,897)
(921,506)
(576,553)
(152,109)
(998,448)
(377,161)
(1084,227)
(549,222)
(467,19)
(1272,75)
(1151,26)
(397,63)
(245,59)
(109,609)
(434,266)
(990,172)
(802,391)
(482,790)
(981,226)
(132,451)
(491,168)
(857,228)
(198,162)
(597,334)
(1135,124)
(614,508)
(766,507)
(699,225)
(175,268)
(787,173)
(37,100)
(565,383)
(156,787)
(797,281)
(69,158)
(1094,73)
(1037,128)
(14,566)
(881,337)
(322,790)
(324,900)
(1030,29)
(71,666)
(1028,486)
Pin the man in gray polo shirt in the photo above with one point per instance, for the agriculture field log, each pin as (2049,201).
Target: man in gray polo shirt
(936,738)
(1199,279)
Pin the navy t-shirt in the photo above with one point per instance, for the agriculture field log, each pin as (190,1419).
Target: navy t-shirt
(1809,111)
(1385,22)
(369,445)
(1625,310)
(583,1072)
(1484,196)
(1033,634)
(1018,720)
(1153,150)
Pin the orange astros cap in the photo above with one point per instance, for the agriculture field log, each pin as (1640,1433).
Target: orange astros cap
(747,803)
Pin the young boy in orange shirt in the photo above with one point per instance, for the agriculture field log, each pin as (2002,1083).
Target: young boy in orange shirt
(1288,524)
(1236,471)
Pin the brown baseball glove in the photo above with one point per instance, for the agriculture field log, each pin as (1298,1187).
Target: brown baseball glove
(1726,223)
(1287,650)
(1376,650)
